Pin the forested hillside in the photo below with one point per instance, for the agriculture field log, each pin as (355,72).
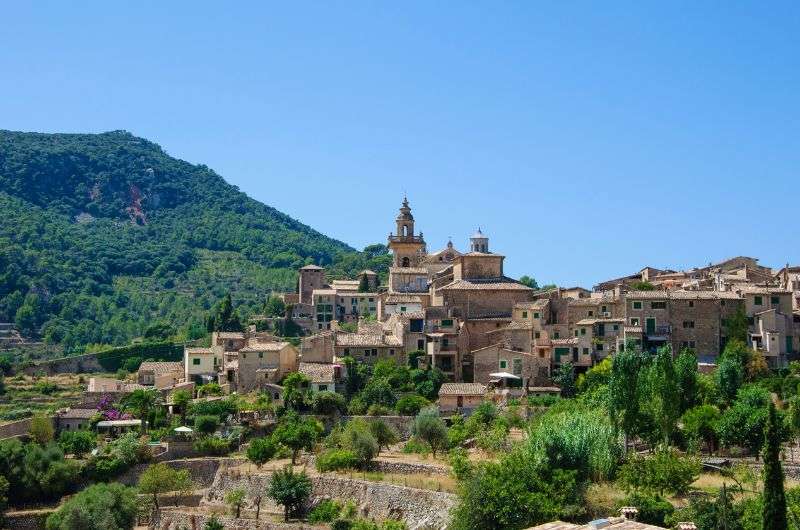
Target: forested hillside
(102,235)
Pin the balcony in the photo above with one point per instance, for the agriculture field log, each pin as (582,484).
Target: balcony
(660,332)
(406,239)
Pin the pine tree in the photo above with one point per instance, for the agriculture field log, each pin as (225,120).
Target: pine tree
(363,284)
(774,514)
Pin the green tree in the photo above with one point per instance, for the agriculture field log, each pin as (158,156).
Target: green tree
(161,478)
(41,430)
(736,326)
(513,493)
(700,423)
(430,428)
(410,404)
(296,391)
(665,471)
(213,524)
(206,424)
(99,507)
(261,451)
(774,514)
(744,422)
(235,499)
(686,379)
(356,376)
(77,443)
(528,282)
(224,317)
(664,388)
(564,378)
(275,307)
(297,433)
(730,376)
(643,286)
(289,489)
(384,433)
(363,284)
(361,442)
(328,403)
(180,400)
(625,392)
(141,402)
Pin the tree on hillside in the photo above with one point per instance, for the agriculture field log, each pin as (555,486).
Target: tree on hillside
(430,428)
(99,507)
(235,499)
(161,478)
(289,489)
(774,514)
(274,306)
(730,376)
(296,389)
(686,379)
(664,389)
(297,433)
(141,402)
(261,451)
(624,391)
(224,317)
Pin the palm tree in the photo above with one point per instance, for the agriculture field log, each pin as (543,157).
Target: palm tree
(141,402)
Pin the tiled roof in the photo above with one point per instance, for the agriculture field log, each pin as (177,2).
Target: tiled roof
(593,301)
(318,372)
(162,367)
(408,270)
(366,339)
(462,389)
(403,299)
(536,304)
(752,289)
(199,351)
(78,414)
(565,342)
(487,284)
(264,346)
(230,334)
(612,523)
(681,295)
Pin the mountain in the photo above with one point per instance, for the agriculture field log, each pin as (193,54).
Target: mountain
(102,235)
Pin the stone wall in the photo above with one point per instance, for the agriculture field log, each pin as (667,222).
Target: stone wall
(15,428)
(78,364)
(202,470)
(27,519)
(420,509)
(175,519)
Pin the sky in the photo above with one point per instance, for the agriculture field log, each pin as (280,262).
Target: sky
(586,139)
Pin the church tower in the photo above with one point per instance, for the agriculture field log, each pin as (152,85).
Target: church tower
(408,249)
(479,242)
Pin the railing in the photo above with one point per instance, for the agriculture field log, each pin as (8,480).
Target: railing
(406,239)
(664,329)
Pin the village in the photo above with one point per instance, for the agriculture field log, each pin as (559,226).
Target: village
(395,391)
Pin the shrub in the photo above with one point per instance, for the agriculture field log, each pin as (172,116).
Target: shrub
(663,472)
(77,443)
(653,509)
(328,403)
(430,428)
(261,450)
(98,507)
(362,443)
(206,424)
(378,410)
(325,512)
(410,405)
(460,465)
(336,459)
(384,433)
(212,446)
(415,445)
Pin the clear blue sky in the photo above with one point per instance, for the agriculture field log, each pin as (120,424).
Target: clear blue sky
(587,139)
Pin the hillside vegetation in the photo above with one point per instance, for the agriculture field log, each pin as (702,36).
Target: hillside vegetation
(102,235)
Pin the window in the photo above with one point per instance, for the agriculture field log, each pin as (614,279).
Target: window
(658,305)
(576,332)
(391,351)
(374,352)
(583,331)
(536,334)
(688,324)
(691,303)
(322,388)
(604,308)
(503,364)
(517,370)
(536,315)
(758,300)
(616,327)
(445,343)
(261,355)
(420,344)
(524,314)
(586,351)
(196,362)
(599,347)
(447,323)
(556,334)
(634,322)
(637,305)
(590,313)
(371,299)
(415,326)
(402,309)
(775,300)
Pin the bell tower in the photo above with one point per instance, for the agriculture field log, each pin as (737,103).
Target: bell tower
(408,249)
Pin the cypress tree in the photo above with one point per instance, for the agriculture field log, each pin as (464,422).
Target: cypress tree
(774,514)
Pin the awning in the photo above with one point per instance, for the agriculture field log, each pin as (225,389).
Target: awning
(119,423)
(504,375)
(183,428)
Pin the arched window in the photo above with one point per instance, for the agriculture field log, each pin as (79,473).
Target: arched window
(406,262)
(405,230)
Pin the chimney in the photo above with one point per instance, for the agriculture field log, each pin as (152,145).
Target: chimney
(629,512)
